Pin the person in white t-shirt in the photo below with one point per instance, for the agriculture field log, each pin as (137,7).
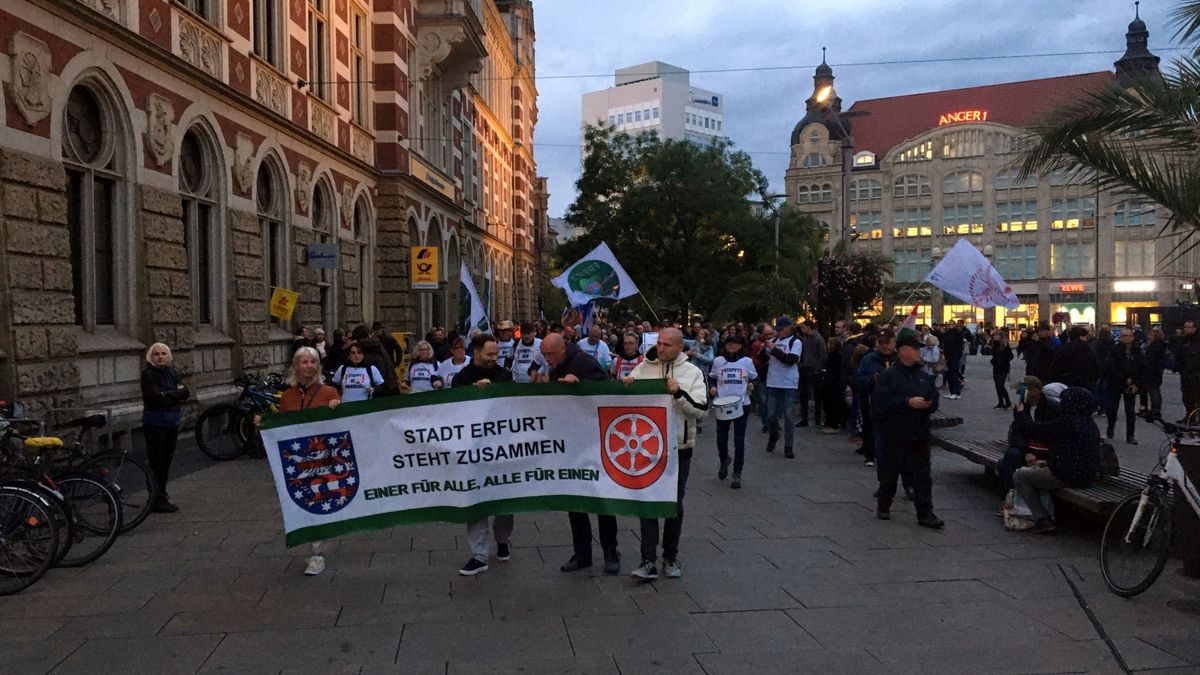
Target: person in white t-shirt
(731,375)
(357,378)
(423,372)
(457,361)
(783,377)
(629,358)
(596,348)
(527,363)
(505,341)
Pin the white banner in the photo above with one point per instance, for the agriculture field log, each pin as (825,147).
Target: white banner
(966,274)
(595,276)
(460,454)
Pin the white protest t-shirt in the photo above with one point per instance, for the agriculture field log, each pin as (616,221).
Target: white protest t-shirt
(526,355)
(447,369)
(598,351)
(420,376)
(506,347)
(733,377)
(622,366)
(357,381)
(779,374)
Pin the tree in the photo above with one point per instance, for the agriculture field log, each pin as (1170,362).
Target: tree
(676,214)
(1142,139)
(857,278)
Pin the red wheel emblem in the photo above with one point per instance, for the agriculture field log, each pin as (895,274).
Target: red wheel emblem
(634,446)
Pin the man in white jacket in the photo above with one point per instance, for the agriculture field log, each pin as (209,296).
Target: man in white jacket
(687,384)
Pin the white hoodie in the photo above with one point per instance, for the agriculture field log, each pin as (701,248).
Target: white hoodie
(692,385)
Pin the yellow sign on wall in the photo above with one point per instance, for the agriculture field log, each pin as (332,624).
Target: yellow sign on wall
(423,268)
(283,303)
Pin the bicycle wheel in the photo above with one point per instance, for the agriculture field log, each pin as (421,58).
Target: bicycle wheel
(28,540)
(251,441)
(131,479)
(1132,554)
(218,432)
(96,511)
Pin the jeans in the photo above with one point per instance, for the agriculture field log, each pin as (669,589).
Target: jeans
(1154,393)
(759,398)
(672,527)
(1001,380)
(581,533)
(1014,458)
(913,456)
(782,402)
(954,376)
(810,389)
(739,441)
(1030,483)
(1115,399)
(160,450)
(477,535)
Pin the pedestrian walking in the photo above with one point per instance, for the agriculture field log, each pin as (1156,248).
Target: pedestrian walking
(732,374)
(527,363)
(1156,359)
(904,398)
(1002,356)
(783,379)
(629,357)
(686,384)
(423,371)
(163,394)
(833,390)
(457,361)
(1124,376)
(357,379)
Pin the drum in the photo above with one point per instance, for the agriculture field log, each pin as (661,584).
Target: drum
(728,407)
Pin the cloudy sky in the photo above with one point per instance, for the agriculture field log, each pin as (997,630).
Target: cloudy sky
(585,40)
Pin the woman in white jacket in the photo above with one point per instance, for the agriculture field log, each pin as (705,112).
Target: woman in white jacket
(688,385)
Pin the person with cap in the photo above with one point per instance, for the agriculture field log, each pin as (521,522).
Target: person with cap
(904,398)
(569,364)
(526,361)
(783,379)
(504,339)
(731,375)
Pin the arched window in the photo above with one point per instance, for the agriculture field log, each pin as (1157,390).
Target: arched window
(324,233)
(96,183)
(1010,179)
(825,192)
(366,272)
(802,196)
(199,181)
(814,159)
(962,181)
(269,200)
(918,153)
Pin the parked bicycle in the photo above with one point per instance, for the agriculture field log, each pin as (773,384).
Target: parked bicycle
(226,430)
(1137,538)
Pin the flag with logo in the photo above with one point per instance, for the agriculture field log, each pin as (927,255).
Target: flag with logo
(283,303)
(965,273)
(458,455)
(595,276)
(909,327)
(471,313)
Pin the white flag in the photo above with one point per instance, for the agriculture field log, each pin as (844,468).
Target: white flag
(596,275)
(965,273)
(470,308)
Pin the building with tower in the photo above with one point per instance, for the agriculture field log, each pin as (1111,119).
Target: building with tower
(907,176)
(659,98)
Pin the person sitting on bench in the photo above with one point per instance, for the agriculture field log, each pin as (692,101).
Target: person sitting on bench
(1042,409)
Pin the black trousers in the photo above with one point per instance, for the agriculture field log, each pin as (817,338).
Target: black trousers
(810,388)
(868,427)
(1001,380)
(913,455)
(672,527)
(160,450)
(1115,400)
(581,533)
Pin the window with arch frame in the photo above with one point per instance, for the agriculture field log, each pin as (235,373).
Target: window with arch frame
(962,181)
(322,212)
(198,189)
(95,168)
(362,242)
(270,201)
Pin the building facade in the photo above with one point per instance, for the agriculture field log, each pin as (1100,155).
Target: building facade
(163,165)
(921,171)
(657,97)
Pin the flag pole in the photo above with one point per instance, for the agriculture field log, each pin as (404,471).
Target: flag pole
(652,312)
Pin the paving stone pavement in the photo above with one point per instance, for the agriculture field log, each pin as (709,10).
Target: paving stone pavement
(790,574)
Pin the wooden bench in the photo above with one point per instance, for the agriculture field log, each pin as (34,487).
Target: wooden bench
(1102,497)
(943,420)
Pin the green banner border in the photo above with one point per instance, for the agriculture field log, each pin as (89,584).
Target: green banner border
(460,394)
(455,514)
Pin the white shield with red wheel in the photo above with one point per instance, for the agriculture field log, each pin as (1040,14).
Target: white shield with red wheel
(633,445)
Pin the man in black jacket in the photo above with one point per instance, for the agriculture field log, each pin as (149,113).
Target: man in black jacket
(1187,364)
(1075,365)
(568,363)
(952,347)
(903,399)
(1124,377)
(1039,354)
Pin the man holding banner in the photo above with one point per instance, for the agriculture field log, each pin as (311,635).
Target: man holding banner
(688,387)
(482,371)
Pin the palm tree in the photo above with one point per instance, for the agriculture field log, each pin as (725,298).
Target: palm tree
(1143,139)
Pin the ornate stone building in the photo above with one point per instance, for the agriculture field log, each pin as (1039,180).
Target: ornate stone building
(926,169)
(164,164)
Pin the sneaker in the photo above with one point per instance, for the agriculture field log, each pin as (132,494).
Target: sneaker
(736,483)
(931,521)
(828,430)
(771,441)
(646,570)
(882,513)
(724,470)
(787,452)
(1043,526)
(1131,441)
(671,569)
(472,568)
(503,552)
(867,461)
(612,561)
(316,565)
(164,505)
(575,564)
